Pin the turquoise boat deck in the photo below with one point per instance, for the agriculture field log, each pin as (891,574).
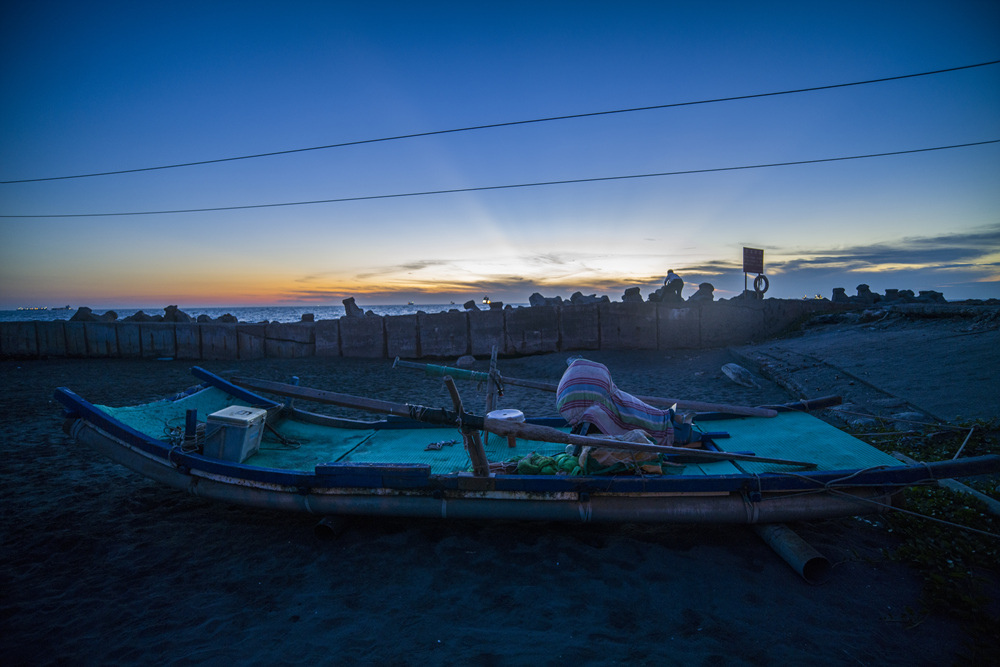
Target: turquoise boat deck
(790,435)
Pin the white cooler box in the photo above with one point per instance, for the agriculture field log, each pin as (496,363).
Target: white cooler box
(233,433)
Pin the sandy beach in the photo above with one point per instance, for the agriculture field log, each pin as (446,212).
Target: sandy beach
(101,566)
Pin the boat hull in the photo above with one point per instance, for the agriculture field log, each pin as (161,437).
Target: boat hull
(567,506)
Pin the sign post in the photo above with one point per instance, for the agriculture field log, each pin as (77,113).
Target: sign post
(753,262)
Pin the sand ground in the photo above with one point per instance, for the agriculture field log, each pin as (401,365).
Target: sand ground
(101,566)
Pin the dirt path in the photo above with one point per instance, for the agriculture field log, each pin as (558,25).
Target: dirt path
(944,368)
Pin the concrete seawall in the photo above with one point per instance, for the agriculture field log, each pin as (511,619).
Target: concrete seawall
(514,332)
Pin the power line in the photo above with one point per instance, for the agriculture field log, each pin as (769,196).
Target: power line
(505,187)
(503,124)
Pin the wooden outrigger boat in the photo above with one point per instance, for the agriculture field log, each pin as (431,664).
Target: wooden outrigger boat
(226,441)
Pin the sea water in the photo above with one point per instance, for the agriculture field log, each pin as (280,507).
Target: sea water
(242,313)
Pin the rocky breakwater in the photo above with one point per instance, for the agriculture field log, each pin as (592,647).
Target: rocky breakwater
(548,325)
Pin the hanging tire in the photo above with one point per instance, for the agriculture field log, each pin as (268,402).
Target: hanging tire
(760,284)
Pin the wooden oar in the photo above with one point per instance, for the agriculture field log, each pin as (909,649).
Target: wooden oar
(684,404)
(501,427)
(548,434)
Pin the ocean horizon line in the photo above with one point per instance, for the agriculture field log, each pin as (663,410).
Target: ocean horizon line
(268,313)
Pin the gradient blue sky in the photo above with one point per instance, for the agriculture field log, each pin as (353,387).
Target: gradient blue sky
(90,87)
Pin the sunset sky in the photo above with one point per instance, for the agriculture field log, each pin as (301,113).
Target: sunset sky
(103,86)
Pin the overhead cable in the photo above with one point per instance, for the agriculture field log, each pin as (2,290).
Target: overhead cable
(503,187)
(503,124)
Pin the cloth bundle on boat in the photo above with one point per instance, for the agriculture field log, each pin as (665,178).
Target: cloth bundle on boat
(587,395)
(601,461)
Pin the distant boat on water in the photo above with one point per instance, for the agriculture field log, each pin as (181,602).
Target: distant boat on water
(45,308)
(486,299)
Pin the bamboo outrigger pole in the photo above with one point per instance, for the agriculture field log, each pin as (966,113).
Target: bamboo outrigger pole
(469,421)
(683,404)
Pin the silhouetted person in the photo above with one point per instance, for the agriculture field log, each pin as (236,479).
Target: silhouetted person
(672,286)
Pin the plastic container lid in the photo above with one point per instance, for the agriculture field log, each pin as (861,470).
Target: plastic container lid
(507,415)
(238,415)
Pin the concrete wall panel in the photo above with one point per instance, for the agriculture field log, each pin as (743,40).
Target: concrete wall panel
(401,336)
(486,331)
(288,340)
(76,339)
(628,326)
(251,340)
(579,327)
(158,339)
(296,332)
(287,349)
(443,334)
(678,328)
(51,338)
(219,341)
(327,338)
(726,323)
(362,337)
(532,330)
(129,339)
(187,338)
(18,339)
(102,339)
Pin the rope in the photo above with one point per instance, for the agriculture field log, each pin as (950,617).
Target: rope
(497,381)
(752,507)
(175,436)
(433,415)
(289,443)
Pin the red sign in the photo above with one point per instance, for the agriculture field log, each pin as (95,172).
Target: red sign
(753,260)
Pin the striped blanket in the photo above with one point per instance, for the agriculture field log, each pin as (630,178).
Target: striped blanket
(586,394)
